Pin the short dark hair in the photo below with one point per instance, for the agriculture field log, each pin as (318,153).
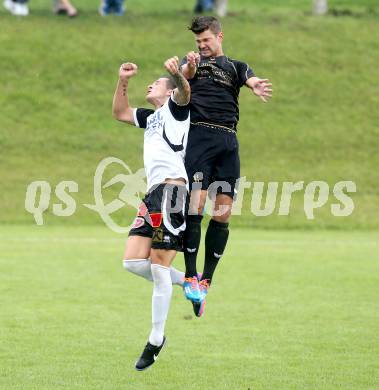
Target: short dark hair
(202,23)
(170,82)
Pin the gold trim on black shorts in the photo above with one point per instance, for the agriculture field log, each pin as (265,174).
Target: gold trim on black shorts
(214,126)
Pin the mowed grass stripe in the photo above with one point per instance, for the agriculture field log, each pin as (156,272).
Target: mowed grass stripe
(285,311)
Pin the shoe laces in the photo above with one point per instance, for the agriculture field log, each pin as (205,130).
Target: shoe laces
(193,281)
(204,284)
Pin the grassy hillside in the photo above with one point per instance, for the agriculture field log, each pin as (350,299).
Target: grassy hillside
(58,75)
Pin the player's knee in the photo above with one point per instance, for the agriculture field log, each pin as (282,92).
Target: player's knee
(197,202)
(128,264)
(163,257)
(200,207)
(222,209)
(128,257)
(223,218)
(140,267)
(131,265)
(196,209)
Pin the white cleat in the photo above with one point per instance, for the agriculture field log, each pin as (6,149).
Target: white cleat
(20,9)
(9,5)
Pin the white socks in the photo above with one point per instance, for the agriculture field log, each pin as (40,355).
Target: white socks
(163,278)
(160,302)
(177,277)
(142,267)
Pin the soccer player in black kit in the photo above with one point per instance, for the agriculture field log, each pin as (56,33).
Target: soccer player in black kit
(212,154)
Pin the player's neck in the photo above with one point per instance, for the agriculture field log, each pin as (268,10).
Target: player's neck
(158,102)
(219,53)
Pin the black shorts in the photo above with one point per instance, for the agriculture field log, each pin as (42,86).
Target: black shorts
(161,216)
(212,156)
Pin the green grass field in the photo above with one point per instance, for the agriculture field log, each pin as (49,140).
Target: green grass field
(288,310)
(294,304)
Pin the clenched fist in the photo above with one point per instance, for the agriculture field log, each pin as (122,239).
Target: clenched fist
(127,70)
(172,65)
(193,59)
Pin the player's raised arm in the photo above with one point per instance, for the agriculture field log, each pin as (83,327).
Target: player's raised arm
(260,87)
(121,109)
(182,92)
(189,69)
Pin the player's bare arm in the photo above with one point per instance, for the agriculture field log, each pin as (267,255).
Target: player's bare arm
(121,109)
(260,87)
(182,93)
(189,69)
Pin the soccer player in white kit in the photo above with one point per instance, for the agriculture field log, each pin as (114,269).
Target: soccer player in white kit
(157,231)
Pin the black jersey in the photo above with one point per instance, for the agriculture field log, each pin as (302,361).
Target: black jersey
(215,89)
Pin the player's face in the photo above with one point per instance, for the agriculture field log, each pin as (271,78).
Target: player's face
(157,90)
(209,44)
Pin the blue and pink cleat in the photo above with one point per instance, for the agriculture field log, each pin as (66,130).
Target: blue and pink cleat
(196,292)
(191,289)
(198,307)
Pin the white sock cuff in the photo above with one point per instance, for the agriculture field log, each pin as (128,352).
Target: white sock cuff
(140,267)
(159,266)
(128,260)
(162,279)
(134,264)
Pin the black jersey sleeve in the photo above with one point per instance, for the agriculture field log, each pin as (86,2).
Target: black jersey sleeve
(180,113)
(141,115)
(244,72)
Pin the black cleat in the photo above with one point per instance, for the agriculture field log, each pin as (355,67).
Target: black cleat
(198,308)
(149,355)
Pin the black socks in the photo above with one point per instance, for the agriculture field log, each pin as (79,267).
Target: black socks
(215,243)
(192,237)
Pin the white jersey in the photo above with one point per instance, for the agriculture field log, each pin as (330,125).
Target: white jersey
(165,141)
